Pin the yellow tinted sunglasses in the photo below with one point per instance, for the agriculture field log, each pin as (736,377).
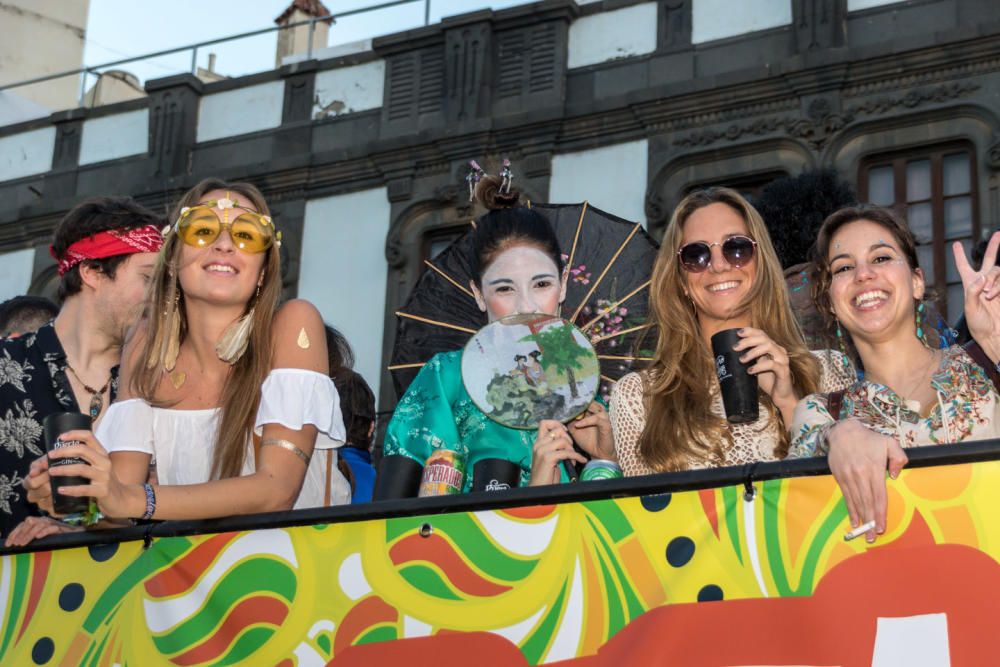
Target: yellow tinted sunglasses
(199,226)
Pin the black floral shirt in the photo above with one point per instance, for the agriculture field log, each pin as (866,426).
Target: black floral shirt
(33,384)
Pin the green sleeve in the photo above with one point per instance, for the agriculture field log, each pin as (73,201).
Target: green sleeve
(424,418)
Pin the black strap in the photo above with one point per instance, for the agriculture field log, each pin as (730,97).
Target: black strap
(973,349)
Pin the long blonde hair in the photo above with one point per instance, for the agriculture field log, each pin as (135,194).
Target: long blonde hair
(680,426)
(241,392)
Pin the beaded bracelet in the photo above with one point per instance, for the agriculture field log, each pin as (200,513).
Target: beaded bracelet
(150,502)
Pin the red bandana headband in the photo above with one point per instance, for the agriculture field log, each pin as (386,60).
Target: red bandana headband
(110,244)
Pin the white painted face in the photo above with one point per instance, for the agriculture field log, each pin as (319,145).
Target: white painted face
(522,279)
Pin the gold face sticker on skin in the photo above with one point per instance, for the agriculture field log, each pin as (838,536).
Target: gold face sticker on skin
(303,340)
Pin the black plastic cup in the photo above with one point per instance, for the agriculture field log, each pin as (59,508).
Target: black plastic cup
(398,477)
(495,475)
(53,426)
(739,388)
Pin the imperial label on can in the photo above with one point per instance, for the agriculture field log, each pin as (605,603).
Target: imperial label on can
(444,474)
(598,469)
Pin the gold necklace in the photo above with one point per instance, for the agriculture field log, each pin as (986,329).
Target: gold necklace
(96,395)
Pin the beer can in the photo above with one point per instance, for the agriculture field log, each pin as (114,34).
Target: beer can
(444,474)
(599,469)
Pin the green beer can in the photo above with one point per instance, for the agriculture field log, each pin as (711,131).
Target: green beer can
(599,469)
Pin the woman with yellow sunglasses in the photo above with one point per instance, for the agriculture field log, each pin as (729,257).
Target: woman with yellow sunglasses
(227,395)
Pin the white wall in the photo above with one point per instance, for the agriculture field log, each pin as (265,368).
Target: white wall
(344,270)
(622,33)
(612,178)
(242,110)
(716,19)
(854,5)
(15,272)
(26,153)
(347,89)
(111,137)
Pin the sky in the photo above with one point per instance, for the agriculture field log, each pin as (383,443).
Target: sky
(118,29)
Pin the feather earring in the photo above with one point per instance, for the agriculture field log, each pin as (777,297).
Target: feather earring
(173,341)
(236,339)
(237,335)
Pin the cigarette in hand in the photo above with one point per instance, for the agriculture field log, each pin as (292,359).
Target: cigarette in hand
(859,531)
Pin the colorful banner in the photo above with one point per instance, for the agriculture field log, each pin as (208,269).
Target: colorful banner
(693,578)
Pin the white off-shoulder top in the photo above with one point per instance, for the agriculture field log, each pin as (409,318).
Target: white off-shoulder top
(181,442)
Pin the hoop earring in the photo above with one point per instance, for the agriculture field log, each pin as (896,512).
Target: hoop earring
(236,339)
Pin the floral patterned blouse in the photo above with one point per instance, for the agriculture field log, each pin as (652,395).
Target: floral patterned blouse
(33,385)
(437,411)
(968,408)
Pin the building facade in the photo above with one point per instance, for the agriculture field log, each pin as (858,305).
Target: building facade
(627,104)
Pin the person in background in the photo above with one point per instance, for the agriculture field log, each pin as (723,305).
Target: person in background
(357,404)
(106,252)
(338,350)
(24,314)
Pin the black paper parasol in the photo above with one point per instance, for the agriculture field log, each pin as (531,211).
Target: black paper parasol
(610,262)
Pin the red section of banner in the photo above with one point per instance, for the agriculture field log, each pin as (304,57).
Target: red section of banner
(252,611)
(436,550)
(40,570)
(835,626)
(180,576)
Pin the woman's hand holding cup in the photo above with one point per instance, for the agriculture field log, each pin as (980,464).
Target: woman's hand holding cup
(113,498)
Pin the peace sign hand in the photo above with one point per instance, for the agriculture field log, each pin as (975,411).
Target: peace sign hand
(982,308)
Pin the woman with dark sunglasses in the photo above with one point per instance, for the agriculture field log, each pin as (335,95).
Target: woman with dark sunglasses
(227,395)
(716,270)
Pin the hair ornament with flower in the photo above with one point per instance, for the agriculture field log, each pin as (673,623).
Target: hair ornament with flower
(506,176)
(475,175)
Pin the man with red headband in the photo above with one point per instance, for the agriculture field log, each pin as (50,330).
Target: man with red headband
(106,251)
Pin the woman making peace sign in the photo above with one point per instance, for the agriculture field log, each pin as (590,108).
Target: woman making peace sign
(913,394)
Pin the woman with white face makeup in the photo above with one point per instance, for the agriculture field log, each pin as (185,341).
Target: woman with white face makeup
(518,268)
(716,270)
(913,393)
(227,395)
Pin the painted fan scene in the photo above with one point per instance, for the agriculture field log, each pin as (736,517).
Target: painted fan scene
(526,368)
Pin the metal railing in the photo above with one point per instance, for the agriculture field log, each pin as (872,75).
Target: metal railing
(193,48)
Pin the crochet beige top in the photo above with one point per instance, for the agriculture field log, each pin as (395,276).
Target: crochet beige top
(750,442)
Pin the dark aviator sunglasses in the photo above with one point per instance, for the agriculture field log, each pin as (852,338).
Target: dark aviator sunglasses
(737,251)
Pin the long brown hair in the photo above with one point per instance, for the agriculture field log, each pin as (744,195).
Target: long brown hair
(241,392)
(888,220)
(680,426)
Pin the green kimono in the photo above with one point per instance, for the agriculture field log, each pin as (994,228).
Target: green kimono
(437,411)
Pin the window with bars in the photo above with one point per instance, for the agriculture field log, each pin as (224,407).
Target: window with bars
(936,191)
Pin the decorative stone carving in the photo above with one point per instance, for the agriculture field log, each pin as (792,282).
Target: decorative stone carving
(993,155)
(916,97)
(732,133)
